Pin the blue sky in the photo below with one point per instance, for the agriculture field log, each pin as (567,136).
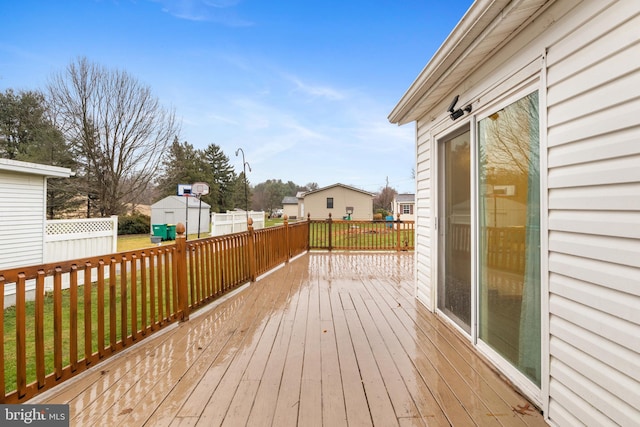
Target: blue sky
(304,87)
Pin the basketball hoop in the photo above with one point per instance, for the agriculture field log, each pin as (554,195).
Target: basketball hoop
(200,189)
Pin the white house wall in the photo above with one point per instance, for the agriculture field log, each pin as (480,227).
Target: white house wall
(593,98)
(591,138)
(424,209)
(22,201)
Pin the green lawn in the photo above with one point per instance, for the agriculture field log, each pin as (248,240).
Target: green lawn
(133,242)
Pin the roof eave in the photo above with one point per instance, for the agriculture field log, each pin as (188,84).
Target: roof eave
(465,37)
(34,169)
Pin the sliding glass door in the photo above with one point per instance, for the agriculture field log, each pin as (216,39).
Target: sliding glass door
(509,234)
(502,296)
(454,230)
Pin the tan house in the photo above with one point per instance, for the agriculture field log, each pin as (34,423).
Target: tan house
(290,207)
(339,200)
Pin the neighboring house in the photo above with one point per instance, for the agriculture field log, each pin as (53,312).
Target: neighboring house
(290,207)
(528,130)
(23,200)
(339,200)
(187,210)
(404,205)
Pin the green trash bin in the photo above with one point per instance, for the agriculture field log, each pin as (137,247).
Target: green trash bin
(171,232)
(160,230)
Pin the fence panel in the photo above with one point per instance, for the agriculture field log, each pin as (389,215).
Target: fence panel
(75,238)
(235,222)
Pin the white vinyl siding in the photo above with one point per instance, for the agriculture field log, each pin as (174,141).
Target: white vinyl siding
(594,217)
(584,58)
(424,220)
(21,219)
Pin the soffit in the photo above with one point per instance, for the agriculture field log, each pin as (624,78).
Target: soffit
(34,168)
(487,26)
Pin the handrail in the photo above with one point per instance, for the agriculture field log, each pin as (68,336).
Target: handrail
(116,300)
(362,235)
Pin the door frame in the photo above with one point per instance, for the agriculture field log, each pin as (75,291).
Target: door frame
(443,130)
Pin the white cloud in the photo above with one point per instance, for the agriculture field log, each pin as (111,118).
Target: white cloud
(316,91)
(219,11)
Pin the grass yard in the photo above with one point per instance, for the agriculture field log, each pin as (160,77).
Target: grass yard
(134,242)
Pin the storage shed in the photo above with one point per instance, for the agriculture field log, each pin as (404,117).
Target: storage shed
(175,209)
(23,200)
(528,198)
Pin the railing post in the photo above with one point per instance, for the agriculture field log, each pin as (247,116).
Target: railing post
(181,272)
(252,250)
(330,221)
(287,241)
(308,231)
(398,247)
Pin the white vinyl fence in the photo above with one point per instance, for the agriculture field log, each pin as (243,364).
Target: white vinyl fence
(68,239)
(80,238)
(235,222)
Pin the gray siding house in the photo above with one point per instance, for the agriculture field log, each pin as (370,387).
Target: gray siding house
(23,200)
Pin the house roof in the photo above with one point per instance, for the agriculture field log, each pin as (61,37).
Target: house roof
(34,168)
(338,185)
(290,200)
(487,26)
(405,198)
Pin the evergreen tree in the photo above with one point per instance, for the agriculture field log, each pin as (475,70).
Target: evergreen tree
(222,178)
(27,133)
(182,164)
(241,194)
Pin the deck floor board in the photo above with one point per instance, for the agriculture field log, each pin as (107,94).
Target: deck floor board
(329,339)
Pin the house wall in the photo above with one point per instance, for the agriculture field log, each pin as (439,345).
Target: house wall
(290,210)
(593,101)
(583,57)
(22,217)
(316,204)
(398,209)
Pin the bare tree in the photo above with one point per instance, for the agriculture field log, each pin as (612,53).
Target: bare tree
(384,199)
(118,127)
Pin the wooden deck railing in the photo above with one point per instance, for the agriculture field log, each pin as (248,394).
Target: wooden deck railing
(98,306)
(333,234)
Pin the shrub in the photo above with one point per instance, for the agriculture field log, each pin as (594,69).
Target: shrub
(382,212)
(377,217)
(134,224)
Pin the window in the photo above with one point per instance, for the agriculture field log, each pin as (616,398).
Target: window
(329,202)
(406,209)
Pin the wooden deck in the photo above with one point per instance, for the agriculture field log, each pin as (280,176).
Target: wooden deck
(329,339)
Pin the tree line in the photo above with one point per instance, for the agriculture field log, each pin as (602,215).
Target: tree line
(122,145)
